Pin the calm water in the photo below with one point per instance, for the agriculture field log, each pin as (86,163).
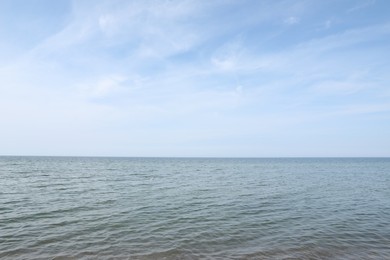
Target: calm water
(138,208)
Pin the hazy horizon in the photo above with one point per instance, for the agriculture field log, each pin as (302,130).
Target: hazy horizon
(227,79)
(196,157)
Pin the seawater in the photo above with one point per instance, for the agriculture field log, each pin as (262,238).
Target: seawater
(175,208)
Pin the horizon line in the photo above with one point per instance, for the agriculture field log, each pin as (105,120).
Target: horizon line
(201,157)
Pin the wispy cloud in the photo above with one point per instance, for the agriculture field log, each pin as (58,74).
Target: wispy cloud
(291,20)
(104,87)
(186,75)
(361,5)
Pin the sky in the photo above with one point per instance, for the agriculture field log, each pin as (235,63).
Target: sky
(259,78)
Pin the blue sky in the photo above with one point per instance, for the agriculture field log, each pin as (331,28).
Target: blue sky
(195,78)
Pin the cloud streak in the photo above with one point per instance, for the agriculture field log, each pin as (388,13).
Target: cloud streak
(187,78)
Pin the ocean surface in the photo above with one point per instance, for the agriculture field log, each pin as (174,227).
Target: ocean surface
(171,208)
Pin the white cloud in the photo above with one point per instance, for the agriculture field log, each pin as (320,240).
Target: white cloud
(104,87)
(328,23)
(184,74)
(338,88)
(361,5)
(291,20)
(228,55)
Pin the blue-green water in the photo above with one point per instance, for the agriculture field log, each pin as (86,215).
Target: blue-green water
(145,208)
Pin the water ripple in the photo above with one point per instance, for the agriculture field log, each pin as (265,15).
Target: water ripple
(122,208)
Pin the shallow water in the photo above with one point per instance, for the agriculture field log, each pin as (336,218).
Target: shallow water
(165,208)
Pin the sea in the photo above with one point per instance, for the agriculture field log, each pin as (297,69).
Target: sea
(194,208)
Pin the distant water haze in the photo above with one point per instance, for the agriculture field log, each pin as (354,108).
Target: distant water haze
(167,208)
